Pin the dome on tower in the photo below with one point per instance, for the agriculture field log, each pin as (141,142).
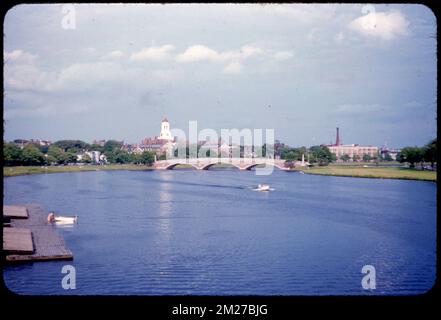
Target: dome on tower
(165,119)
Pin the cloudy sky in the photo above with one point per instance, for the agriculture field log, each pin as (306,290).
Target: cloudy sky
(114,71)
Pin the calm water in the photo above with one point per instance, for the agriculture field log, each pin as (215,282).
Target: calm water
(208,233)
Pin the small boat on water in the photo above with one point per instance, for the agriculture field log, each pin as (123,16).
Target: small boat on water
(52,218)
(263,187)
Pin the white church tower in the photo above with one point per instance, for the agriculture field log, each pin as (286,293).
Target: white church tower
(165,131)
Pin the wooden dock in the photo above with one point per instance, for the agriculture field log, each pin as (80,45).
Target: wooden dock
(15,212)
(46,243)
(18,240)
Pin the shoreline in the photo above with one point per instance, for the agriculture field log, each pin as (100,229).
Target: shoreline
(333,170)
(396,173)
(28,170)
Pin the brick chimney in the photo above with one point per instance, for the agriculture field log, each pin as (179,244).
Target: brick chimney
(337,141)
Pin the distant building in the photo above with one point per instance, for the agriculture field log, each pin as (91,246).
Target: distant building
(95,157)
(162,144)
(218,148)
(351,150)
(391,152)
(100,143)
(133,148)
(21,143)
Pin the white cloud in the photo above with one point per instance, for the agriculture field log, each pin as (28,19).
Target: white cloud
(153,53)
(283,55)
(21,71)
(198,53)
(84,75)
(203,53)
(248,51)
(114,55)
(384,25)
(233,68)
(19,56)
(231,59)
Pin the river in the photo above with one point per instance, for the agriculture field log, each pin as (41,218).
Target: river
(180,232)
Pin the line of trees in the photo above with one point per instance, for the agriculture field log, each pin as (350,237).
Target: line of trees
(320,155)
(421,155)
(65,151)
(366,157)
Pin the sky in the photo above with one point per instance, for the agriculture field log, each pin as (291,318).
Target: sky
(114,71)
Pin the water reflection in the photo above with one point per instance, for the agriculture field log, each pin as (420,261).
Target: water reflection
(165,203)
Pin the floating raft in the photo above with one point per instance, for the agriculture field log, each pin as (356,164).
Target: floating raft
(34,230)
(15,212)
(18,240)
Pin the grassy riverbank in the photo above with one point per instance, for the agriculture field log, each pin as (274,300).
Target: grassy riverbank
(332,170)
(373,172)
(24,170)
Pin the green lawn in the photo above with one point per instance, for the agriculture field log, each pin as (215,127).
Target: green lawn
(23,170)
(372,172)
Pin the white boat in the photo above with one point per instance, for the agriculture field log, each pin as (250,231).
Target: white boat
(263,187)
(62,219)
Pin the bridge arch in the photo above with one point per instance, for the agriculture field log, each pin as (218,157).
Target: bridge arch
(251,166)
(208,166)
(173,165)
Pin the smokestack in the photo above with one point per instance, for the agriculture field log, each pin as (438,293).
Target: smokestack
(337,141)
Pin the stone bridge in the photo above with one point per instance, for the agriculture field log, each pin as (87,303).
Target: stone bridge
(206,163)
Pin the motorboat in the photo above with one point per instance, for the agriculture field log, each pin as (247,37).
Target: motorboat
(66,219)
(263,187)
(52,218)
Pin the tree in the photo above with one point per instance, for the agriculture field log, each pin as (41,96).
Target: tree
(429,152)
(345,157)
(147,158)
(50,159)
(111,146)
(367,157)
(95,147)
(211,154)
(12,155)
(122,157)
(135,158)
(86,158)
(291,156)
(388,157)
(70,157)
(356,157)
(56,154)
(410,155)
(32,156)
(118,156)
(322,155)
(264,148)
(71,145)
